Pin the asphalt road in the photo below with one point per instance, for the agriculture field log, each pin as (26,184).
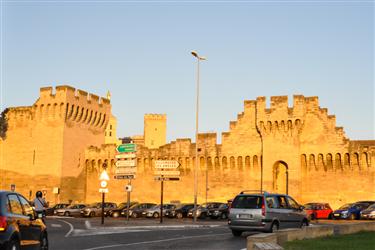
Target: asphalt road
(89,234)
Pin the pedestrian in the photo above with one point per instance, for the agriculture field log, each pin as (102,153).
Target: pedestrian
(40,205)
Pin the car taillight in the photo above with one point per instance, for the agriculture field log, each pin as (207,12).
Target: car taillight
(3,223)
(263,208)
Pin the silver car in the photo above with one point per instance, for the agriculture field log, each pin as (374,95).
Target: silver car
(72,210)
(265,212)
(155,211)
(368,213)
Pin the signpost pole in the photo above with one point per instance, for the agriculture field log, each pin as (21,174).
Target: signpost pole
(128,203)
(103,195)
(161,201)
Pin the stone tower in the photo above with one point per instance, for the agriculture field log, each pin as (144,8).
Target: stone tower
(45,142)
(155,130)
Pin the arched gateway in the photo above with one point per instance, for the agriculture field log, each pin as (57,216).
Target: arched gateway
(280,177)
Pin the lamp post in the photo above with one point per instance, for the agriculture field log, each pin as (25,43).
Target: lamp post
(104,178)
(199,58)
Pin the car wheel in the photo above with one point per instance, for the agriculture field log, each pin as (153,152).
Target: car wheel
(236,233)
(92,214)
(304,223)
(66,213)
(274,227)
(352,217)
(224,216)
(156,215)
(134,215)
(312,217)
(13,245)
(330,216)
(115,215)
(179,216)
(44,242)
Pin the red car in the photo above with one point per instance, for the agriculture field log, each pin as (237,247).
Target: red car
(318,210)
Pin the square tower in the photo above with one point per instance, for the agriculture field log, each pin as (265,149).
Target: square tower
(155,130)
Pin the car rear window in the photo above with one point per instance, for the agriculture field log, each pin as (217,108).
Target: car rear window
(248,201)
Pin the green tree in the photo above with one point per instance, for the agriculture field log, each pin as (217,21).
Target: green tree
(3,123)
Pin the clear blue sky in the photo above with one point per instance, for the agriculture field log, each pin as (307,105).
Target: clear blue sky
(140,51)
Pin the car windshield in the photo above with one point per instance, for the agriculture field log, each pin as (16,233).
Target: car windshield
(310,206)
(122,205)
(247,201)
(72,206)
(94,204)
(346,206)
(223,206)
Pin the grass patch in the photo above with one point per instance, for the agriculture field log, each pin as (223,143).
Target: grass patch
(358,241)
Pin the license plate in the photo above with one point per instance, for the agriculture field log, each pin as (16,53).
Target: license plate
(337,215)
(245,216)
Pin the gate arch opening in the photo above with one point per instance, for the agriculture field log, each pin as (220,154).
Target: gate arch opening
(280,177)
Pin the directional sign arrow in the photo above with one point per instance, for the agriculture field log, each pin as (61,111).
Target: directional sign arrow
(125,156)
(168,172)
(167,164)
(126,163)
(125,171)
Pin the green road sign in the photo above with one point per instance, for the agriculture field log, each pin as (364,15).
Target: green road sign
(127,148)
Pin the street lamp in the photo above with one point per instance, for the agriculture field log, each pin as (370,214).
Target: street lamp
(199,58)
(104,178)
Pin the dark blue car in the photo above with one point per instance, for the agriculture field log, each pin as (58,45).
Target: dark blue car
(350,211)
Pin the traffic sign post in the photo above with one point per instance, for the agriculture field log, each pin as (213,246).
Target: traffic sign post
(126,168)
(165,171)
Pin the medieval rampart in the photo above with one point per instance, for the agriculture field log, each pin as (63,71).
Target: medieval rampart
(46,141)
(303,151)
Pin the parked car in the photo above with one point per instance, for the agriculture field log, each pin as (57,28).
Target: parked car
(220,212)
(95,209)
(368,213)
(180,211)
(265,212)
(140,209)
(318,210)
(122,207)
(19,225)
(72,210)
(203,210)
(155,210)
(350,211)
(51,210)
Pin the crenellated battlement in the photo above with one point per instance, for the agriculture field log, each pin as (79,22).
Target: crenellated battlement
(281,120)
(65,103)
(155,116)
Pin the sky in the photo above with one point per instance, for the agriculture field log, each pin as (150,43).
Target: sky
(140,52)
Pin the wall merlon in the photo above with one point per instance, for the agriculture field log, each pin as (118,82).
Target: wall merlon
(312,103)
(94,98)
(232,124)
(104,101)
(279,102)
(82,93)
(45,92)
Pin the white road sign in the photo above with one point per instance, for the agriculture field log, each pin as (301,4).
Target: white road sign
(125,156)
(126,163)
(168,172)
(167,164)
(123,171)
(121,177)
(103,190)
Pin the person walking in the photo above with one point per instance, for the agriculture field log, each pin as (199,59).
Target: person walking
(40,205)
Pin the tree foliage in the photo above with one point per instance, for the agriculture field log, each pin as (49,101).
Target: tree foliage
(3,123)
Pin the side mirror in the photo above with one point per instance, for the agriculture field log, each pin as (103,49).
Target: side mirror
(32,215)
